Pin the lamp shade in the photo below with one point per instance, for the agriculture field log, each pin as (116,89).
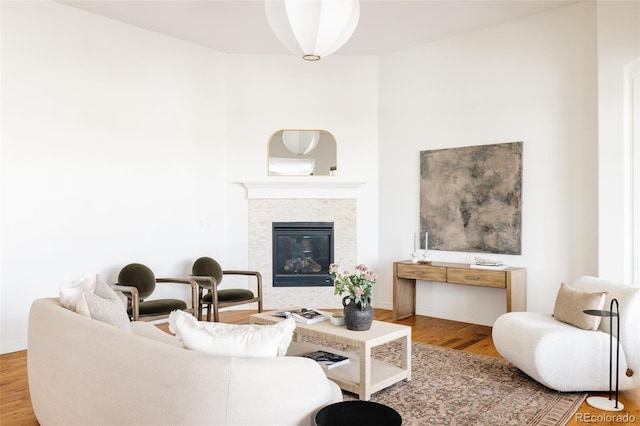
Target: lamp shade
(313,28)
(300,142)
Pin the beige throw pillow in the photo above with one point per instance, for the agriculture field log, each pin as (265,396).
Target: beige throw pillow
(103,304)
(570,304)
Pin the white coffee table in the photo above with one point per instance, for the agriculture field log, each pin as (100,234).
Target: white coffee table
(362,375)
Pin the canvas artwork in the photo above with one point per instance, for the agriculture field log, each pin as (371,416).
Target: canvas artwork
(471,198)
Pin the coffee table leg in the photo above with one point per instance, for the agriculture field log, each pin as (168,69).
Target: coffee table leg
(406,354)
(365,373)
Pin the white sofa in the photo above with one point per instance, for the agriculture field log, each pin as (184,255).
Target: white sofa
(85,372)
(570,359)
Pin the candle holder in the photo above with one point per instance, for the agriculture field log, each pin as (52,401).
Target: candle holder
(600,402)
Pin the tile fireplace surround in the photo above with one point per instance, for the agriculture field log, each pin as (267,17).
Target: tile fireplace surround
(300,201)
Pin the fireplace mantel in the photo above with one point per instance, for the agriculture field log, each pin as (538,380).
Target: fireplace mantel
(308,188)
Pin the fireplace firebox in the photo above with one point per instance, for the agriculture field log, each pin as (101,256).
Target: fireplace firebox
(302,253)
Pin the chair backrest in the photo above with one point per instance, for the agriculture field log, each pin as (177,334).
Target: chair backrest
(138,276)
(207,267)
(628,297)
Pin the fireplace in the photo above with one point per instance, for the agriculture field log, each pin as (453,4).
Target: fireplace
(302,253)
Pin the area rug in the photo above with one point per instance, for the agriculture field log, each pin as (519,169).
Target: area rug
(452,387)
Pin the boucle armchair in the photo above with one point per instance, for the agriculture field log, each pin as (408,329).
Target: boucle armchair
(570,359)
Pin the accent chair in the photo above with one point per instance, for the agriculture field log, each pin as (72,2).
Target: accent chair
(572,354)
(138,282)
(208,274)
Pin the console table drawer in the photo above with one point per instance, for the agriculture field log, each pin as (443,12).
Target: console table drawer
(422,272)
(477,277)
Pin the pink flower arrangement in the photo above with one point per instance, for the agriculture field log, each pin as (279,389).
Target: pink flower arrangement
(358,285)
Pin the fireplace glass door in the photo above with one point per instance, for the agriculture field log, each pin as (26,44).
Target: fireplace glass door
(302,253)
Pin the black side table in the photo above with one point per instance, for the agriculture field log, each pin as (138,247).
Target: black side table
(601,402)
(358,413)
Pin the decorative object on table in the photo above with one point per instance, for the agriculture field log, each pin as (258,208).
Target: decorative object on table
(358,313)
(303,315)
(357,317)
(482,263)
(471,198)
(337,318)
(414,255)
(425,255)
(488,262)
(600,402)
(327,360)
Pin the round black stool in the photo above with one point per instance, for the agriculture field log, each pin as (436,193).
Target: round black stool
(356,413)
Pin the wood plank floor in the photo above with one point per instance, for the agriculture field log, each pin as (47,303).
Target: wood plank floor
(15,404)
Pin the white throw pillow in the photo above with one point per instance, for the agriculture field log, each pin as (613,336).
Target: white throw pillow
(70,291)
(244,340)
(103,304)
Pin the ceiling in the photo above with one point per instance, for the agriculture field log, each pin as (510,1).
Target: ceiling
(240,26)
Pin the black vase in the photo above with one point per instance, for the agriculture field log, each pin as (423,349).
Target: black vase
(357,317)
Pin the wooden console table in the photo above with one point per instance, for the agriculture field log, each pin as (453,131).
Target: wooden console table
(405,274)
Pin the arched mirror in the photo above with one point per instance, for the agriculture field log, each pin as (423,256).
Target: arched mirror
(296,152)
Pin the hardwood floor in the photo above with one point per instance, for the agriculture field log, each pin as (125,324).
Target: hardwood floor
(15,404)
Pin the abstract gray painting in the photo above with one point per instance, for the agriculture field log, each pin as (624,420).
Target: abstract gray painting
(471,198)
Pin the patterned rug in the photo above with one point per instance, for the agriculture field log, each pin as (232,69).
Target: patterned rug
(452,387)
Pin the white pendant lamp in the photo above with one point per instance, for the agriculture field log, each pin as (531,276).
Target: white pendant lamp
(300,142)
(313,28)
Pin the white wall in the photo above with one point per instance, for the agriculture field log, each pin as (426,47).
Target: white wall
(531,80)
(618,26)
(111,137)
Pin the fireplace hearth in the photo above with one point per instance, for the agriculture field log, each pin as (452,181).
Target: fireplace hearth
(302,253)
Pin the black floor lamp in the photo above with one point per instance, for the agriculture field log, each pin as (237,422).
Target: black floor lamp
(600,402)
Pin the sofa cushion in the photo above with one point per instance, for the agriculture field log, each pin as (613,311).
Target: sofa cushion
(159,306)
(244,340)
(103,304)
(570,304)
(70,291)
(231,294)
(150,331)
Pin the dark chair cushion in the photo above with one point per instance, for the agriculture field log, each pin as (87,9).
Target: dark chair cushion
(160,306)
(138,276)
(208,267)
(230,295)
